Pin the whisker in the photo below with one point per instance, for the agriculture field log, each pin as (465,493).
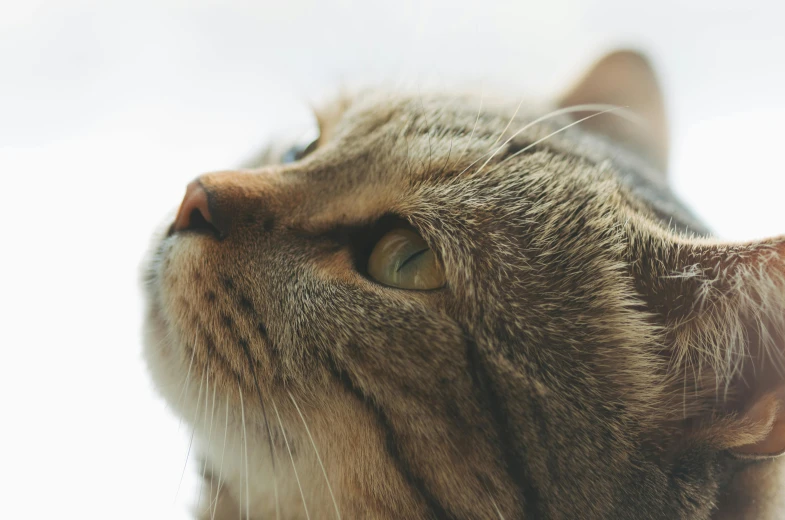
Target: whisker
(240,487)
(620,111)
(266,424)
(562,129)
(517,109)
(493,502)
(221,470)
(206,402)
(428,126)
(321,465)
(209,438)
(291,457)
(603,109)
(474,128)
(496,507)
(245,442)
(191,442)
(185,385)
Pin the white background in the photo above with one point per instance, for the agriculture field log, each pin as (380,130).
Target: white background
(108,110)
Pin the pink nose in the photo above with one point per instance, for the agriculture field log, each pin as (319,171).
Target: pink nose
(194,213)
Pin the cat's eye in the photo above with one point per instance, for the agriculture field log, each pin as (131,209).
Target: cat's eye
(401,258)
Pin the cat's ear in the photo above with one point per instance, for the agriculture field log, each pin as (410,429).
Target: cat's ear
(626,79)
(723,310)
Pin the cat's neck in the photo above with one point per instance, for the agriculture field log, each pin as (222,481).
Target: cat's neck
(754,492)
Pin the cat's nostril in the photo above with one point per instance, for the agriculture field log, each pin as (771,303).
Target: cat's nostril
(194,213)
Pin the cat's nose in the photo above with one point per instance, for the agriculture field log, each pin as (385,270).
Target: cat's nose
(195,213)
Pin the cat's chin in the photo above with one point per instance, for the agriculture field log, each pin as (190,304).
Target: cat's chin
(164,362)
(168,361)
(230,440)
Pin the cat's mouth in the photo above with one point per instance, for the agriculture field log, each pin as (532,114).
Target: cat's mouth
(202,303)
(199,319)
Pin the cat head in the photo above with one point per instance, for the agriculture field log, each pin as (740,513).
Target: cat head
(456,308)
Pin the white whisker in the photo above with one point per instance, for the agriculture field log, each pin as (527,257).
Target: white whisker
(493,502)
(602,109)
(291,457)
(191,442)
(185,384)
(474,128)
(245,442)
(275,490)
(517,109)
(498,512)
(270,445)
(321,465)
(620,111)
(240,490)
(206,402)
(209,439)
(221,470)
(562,129)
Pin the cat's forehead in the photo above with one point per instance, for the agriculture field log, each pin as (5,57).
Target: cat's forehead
(406,138)
(399,153)
(378,150)
(384,153)
(411,136)
(439,112)
(385,138)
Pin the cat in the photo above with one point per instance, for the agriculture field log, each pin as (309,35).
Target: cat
(452,307)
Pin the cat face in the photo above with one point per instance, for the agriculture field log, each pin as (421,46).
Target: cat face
(534,379)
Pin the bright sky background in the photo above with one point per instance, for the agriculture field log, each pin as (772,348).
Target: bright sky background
(108,110)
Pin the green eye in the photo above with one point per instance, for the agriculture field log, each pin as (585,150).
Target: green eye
(402,259)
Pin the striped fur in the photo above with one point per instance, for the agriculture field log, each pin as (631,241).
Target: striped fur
(590,357)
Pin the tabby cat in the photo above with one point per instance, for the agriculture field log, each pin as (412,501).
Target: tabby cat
(449,307)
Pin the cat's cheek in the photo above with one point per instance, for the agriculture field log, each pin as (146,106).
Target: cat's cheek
(169,318)
(182,278)
(158,351)
(161,355)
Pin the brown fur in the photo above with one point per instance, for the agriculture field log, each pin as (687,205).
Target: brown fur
(588,357)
